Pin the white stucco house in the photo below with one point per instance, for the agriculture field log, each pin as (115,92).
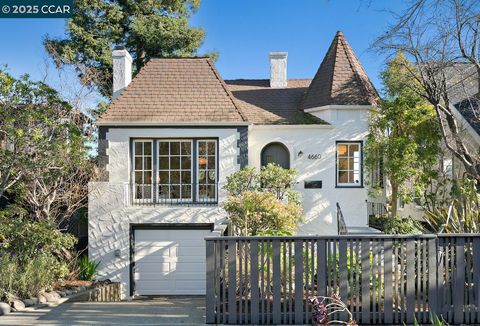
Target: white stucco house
(175,132)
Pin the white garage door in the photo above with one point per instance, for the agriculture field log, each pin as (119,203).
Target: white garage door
(170,261)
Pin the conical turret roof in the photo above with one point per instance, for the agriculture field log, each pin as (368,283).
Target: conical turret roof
(340,79)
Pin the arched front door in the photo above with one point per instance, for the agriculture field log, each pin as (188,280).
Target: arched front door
(276,153)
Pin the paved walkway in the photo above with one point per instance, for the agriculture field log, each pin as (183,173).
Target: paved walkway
(157,311)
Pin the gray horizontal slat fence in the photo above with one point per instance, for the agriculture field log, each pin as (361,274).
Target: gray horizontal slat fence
(383,279)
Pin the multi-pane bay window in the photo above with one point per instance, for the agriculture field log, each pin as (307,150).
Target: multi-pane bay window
(185,170)
(349,164)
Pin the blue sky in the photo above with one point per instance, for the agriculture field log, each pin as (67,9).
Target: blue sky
(243,32)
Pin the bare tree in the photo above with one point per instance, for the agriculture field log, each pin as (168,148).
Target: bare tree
(442,39)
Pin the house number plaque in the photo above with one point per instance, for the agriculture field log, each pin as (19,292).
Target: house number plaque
(314,156)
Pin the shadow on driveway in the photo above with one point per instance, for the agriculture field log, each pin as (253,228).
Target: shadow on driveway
(145,311)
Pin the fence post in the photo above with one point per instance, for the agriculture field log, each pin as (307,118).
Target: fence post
(476,274)
(254,281)
(276,282)
(342,260)
(410,280)
(232,282)
(210,294)
(388,308)
(299,281)
(433,270)
(321,267)
(366,313)
(459,281)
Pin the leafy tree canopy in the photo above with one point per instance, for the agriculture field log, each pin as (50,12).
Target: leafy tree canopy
(404,133)
(147,28)
(44,159)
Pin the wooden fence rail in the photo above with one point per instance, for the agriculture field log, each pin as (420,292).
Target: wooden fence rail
(383,279)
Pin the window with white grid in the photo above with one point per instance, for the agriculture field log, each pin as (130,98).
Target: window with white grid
(175,170)
(207,170)
(349,164)
(143,172)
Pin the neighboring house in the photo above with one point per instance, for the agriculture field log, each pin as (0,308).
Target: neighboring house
(174,134)
(463,89)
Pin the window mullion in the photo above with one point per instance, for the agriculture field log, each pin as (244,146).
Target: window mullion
(155,155)
(194,180)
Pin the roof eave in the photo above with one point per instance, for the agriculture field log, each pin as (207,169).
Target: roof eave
(170,124)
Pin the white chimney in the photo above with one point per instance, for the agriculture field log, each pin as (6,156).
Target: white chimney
(122,70)
(278,69)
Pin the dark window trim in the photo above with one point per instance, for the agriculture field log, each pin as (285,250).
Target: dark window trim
(194,162)
(275,143)
(336,163)
(158,226)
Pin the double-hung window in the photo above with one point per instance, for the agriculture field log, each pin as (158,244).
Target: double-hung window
(349,164)
(178,171)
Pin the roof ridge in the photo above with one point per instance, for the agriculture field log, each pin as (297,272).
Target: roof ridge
(305,95)
(178,57)
(224,86)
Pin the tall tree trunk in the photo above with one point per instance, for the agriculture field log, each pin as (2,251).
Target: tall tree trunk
(394,199)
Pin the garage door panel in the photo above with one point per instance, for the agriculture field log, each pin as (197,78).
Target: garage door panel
(191,251)
(189,285)
(153,277)
(155,268)
(153,244)
(150,288)
(170,261)
(193,267)
(154,251)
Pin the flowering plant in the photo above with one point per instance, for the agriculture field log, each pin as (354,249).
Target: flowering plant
(325,307)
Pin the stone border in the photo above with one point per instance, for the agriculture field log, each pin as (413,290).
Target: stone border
(98,292)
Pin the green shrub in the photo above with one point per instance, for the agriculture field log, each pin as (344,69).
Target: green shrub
(87,268)
(32,254)
(463,213)
(396,225)
(26,278)
(27,238)
(263,202)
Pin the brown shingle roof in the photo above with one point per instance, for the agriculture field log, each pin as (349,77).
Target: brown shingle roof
(340,80)
(175,91)
(262,104)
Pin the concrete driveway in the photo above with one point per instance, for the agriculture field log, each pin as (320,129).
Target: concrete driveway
(155,311)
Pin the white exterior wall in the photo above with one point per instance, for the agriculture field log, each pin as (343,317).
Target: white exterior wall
(319,204)
(110,216)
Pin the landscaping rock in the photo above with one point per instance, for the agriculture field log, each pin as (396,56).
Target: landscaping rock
(52,296)
(61,293)
(4,308)
(42,298)
(35,300)
(30,302)
(18,305)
